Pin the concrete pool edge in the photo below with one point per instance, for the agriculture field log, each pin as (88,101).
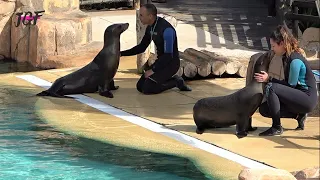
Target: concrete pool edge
(155,127)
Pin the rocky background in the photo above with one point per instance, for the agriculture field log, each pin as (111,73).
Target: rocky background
(311,173)
(6,11)
(59,31)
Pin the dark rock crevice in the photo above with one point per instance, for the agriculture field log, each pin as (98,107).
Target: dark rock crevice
(56,40)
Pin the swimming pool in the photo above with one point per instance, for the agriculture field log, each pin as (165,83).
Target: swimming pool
(31,149)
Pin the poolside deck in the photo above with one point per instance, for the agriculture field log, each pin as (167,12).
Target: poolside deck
(173,109)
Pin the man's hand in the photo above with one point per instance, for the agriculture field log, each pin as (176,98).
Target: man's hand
(148,73)
(261,77)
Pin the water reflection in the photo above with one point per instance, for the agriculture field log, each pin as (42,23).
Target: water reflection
(10,66)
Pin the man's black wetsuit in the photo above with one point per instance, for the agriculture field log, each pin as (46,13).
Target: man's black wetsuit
(292,97)
(168,62)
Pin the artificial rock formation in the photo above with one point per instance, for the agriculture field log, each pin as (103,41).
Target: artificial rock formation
(310,42)
(7,8)
(265,174)
(59,31)
(310,173)
(58,36)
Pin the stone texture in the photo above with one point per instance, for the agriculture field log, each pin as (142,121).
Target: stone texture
(60,30)
(19,41)
(58,6)
(310,42)
(6,11)
(308,173)
(7,7)
(19,37)
(43,41)
(53,36)
(29,5)
(265,174)
(84,56)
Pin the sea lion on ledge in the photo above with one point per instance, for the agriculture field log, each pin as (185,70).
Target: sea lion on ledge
(98,74)
(236,108)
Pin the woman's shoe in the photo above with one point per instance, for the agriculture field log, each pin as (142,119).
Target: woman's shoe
(301,119)
(272,131)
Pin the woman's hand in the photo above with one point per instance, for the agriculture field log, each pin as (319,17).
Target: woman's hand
(148,73)
(261,77)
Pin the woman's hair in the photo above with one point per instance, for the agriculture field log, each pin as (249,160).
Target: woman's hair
(282,34)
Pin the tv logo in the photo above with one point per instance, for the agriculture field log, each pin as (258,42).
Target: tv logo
(29,17)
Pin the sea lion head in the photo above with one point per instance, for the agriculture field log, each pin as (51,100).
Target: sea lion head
(263,62)
(115,30)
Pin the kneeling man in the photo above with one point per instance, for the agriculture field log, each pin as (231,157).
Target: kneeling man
(161,76)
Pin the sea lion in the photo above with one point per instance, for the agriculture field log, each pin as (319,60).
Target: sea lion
(236,108)
(98,74)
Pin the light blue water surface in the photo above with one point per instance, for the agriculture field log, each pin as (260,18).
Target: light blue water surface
(31,149)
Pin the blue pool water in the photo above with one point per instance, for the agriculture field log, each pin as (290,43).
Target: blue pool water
(31,149)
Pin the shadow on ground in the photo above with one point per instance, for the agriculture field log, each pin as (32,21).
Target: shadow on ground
(231,130)
(241,22)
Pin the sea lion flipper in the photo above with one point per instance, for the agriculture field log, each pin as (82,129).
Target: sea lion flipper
(106,94)
(241,134)
(43,93)
(250,128)
(52,91)
(199,130)
(52,94)
(105,91)
(255,103)
(112,86)
(241,126)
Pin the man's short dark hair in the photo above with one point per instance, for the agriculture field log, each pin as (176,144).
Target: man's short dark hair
(151,9)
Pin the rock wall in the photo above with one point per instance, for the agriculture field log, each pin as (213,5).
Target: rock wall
(310,42)
(7,8)
(58,6)
(53,35)
(311,173)
(265,174)
(61,29)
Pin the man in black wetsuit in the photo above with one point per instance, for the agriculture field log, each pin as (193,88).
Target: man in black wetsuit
(161,76)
